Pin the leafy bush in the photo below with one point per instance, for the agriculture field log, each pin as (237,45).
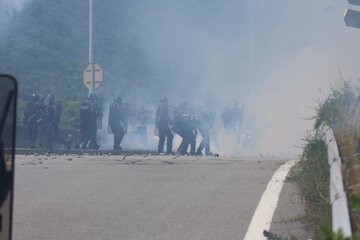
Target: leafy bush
(340,110)
(70,117)
(311,175)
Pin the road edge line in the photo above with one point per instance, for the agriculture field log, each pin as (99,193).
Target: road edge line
(266,207)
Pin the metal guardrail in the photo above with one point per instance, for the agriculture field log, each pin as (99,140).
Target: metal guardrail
(338,199)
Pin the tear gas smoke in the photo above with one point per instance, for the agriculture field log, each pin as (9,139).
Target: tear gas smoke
(9,8)
(272,56)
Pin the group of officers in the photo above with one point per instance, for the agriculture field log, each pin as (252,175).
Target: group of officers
(183,120)
(43,115)
(186,123)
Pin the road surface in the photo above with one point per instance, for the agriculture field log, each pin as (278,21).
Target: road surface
(137,197)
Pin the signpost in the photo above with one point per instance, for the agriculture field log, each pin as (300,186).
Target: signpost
(354,2)
(93,76)
(93,73)
(352,17)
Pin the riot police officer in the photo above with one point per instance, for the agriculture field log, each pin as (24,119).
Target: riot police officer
(163,125)
(204,124)
(89,113)
(118,122)
(185,127)
(32,115)
(232,117)
(51,121)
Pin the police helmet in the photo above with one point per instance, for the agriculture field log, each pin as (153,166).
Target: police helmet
(50,100)
(92,97)
(118,99)
(163,100)
(35,97)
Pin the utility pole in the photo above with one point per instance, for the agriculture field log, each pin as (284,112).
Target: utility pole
(91,63)
(93,73)
(252,54)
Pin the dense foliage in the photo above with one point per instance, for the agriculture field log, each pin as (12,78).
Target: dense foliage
(46,48)
(340,110)
(312,177)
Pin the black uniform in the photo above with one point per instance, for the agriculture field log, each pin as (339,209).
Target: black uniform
(185,126)
(89,112)
(232,116)
(205,123)
(32,115)
(51,121)
(118,122)
(163,125)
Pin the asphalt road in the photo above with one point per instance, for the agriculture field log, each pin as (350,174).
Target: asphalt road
(137,197)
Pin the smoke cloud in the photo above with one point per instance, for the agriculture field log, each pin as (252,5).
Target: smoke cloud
(272,56)
(8,9)
(275,57)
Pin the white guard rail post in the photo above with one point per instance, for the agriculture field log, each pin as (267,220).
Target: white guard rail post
(338,200)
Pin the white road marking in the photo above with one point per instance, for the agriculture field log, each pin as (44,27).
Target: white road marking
(264,212)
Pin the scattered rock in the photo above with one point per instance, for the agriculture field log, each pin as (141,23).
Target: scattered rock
(258,161)
(45,167)
(216,155)
(69,159)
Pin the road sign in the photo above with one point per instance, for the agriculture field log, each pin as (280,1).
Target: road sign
(93,71)
(354,2)
(352,18)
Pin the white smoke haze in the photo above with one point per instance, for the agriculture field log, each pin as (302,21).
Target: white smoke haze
(272,56)
(206,51)
(9,8)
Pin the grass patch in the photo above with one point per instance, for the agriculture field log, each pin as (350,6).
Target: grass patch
(311,175)
(341,111)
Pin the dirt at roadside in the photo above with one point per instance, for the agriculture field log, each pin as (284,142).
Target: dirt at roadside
(288,221)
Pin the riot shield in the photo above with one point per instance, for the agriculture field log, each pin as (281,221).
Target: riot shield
(8,94)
